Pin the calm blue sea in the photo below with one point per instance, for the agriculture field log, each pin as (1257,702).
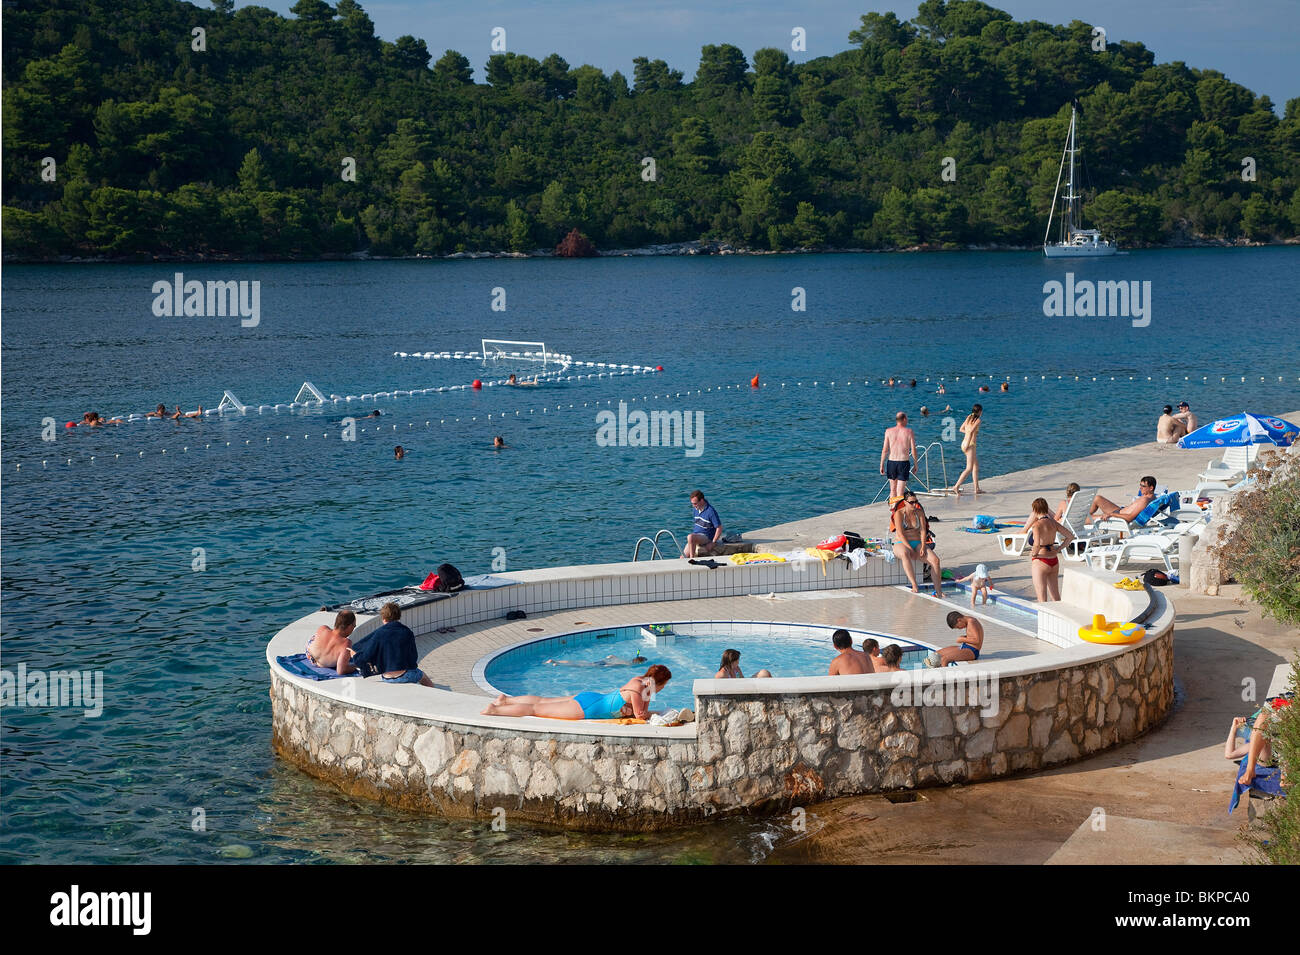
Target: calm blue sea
(99,558)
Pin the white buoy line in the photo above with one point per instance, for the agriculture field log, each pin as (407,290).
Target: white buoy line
(390,428)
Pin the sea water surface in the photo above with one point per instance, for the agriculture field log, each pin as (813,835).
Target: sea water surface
(169,560)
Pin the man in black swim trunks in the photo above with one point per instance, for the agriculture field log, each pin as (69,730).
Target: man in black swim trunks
(899,452)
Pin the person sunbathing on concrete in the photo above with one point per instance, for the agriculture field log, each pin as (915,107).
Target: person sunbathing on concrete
(849,661)
(1102,508)
(967,649)
(331,647)
(1260,751)
(633,699)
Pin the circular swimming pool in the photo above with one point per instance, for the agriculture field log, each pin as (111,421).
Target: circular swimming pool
(602,660)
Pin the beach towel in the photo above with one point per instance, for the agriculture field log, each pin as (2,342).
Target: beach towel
(299,665)
(1267,782)
(742,559)
(821,554)
(404,597)
(1158,503)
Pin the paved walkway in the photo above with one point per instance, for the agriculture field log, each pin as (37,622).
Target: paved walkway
(1160,799)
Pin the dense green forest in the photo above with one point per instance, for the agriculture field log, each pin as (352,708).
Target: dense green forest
(126,133)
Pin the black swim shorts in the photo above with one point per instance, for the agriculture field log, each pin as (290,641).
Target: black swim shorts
(898,470)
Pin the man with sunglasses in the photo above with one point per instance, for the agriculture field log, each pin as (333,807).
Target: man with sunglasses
(1103,508)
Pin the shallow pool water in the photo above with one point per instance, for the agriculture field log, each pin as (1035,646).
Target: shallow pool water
(787,650)
(1007,610)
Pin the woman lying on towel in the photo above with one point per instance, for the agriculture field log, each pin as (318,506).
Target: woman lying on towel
(1258,748)
(632,699)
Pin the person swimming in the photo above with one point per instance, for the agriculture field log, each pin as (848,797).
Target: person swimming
(609,661)
(498,442)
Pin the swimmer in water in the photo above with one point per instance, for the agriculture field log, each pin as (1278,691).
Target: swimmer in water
(373,414)
(609,661)
(159,412)
(498,442)
(399,452)
(925,412)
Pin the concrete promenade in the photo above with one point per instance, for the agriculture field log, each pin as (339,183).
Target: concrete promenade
(1164,797)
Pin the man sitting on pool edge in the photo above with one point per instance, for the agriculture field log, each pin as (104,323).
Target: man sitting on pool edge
(968,649)
(390,650)
(707,530)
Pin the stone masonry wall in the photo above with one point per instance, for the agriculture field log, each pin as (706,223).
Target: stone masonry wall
(766,752)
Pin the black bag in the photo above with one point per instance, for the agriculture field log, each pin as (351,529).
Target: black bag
(1155,578)
(852,541)
(449,580)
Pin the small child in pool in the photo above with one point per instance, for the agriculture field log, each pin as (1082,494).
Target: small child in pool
(980,583)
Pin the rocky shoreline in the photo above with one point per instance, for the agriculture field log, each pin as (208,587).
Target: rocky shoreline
(693,247)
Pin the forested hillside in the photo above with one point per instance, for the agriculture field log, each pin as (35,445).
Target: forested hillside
(241,147)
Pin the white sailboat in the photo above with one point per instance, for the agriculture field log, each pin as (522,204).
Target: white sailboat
(1074,243)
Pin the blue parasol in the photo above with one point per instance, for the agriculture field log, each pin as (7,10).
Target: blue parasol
(1242,429)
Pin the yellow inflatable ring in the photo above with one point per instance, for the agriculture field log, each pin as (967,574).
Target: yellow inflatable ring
(1103,632)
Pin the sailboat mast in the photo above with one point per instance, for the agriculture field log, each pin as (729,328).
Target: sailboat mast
(1070,197)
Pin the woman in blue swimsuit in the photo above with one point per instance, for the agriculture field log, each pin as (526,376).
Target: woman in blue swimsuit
(632,699)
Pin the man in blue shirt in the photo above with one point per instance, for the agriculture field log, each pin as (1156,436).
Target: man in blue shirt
(707,530)
(390,650)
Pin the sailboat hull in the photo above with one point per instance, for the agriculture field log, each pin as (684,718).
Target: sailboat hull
(1078,251)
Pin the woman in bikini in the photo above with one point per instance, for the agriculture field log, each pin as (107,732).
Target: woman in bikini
(632,699)
(912,541)
(1044,559)
(971,429)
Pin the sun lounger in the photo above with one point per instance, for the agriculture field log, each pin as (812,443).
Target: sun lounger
(1153,545)
(1232,467)
(1075,516)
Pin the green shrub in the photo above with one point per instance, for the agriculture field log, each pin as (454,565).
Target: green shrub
(1264,555)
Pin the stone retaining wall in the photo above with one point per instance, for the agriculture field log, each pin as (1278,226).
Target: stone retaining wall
(753,749)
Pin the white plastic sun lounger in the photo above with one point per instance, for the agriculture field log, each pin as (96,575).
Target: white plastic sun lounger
(1232,467)
(1162,547)
(1075,516)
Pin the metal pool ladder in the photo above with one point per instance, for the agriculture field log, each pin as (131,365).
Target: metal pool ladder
(655,553)
(922,477)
